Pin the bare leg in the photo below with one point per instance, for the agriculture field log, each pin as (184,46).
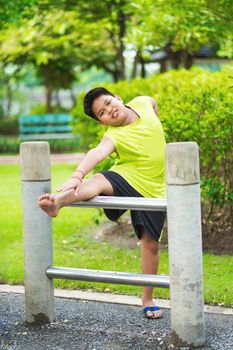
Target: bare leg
(92,187)
(150,264)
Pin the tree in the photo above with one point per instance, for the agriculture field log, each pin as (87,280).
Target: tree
(54,42)
(115,16)
(180,27)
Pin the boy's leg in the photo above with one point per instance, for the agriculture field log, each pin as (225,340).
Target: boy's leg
(150,264)
(92,187)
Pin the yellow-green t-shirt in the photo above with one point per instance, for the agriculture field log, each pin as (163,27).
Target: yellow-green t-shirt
(140,148)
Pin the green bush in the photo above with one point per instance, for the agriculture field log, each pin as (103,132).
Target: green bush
(85,126)
(194,105)
(11,145)
(9,126)
(65,145)
(42,109)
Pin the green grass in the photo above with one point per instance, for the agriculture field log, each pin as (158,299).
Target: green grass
(75,246)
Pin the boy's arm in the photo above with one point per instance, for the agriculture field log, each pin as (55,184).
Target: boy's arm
(96,155)
(91,159)
(154,105)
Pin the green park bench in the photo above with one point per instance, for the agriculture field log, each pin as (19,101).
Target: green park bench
(45,126)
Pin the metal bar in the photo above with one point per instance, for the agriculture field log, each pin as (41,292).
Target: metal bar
(135,203)
(108,277)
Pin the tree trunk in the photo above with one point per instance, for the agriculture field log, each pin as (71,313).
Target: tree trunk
(163,66)
(143,68)
(73,98)
(115,73)
(48,87)
(48,98)
(57,98)
(8,97)
(175,59)
(174,56)
(135,63)
(187,59)
(121,48)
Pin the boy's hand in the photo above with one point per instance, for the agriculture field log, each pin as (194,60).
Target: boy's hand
(73,183)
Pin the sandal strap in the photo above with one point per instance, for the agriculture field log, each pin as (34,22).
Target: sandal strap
(155,308)
(147,308)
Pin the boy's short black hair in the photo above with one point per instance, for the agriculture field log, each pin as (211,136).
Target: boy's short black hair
(90,97)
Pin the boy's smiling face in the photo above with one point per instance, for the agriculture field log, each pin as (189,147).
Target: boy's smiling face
(110,110)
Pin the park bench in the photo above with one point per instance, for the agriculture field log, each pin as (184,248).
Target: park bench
(45,126)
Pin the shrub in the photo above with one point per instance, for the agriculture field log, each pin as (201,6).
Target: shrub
(9,126)
(11,145)
(88,129)
(194,105)
(42,109)
(65,145)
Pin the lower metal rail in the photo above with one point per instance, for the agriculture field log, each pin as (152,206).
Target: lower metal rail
(160,281)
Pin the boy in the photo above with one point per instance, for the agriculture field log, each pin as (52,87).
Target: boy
(136,135)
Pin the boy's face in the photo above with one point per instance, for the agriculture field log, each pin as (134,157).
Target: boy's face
(110,110)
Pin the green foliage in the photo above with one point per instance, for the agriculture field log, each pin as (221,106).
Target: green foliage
(11,145)
(64,145)
(87,127)
(9,126)
(11,11)
(194,105)
(41,109)
(182,25)
(1,112)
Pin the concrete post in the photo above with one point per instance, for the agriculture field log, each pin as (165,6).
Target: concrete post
(185,244)
(37,232)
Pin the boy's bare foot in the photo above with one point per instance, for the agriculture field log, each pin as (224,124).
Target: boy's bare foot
(48,203)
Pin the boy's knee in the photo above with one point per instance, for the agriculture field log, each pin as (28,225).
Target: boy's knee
(150,244)
(102,184)
(97,177)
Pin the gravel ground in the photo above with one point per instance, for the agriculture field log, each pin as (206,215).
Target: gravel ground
(93,325)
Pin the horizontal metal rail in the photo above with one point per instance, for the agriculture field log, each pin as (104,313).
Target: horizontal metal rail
(135,203)
(108,277)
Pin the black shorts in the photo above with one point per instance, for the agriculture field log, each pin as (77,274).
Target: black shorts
(150,222)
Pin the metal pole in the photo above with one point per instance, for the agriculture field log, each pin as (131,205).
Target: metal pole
(134,203)
(185,244)
(37,232)
(128,278)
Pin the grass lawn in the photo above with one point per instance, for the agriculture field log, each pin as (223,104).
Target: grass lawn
(75,246)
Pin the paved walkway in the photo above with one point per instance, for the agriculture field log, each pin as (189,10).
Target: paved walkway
(96,325)
(55,158)
(110,298)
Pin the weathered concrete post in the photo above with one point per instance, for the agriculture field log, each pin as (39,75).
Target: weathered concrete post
(185,244)
(37,232)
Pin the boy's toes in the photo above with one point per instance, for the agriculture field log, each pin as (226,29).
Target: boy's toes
(44,196)
(157,312)
(41,197)
(148,312)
